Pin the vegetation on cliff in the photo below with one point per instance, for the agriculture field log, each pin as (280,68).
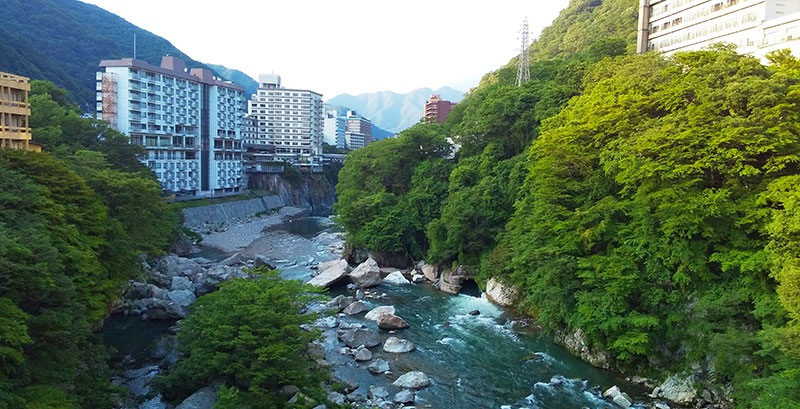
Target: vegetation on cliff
(650,202)
(73,223)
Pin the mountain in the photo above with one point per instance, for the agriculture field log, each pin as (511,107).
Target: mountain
(63,41)
(238,77)
(391,111)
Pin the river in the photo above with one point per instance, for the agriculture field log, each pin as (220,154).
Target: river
(483,361)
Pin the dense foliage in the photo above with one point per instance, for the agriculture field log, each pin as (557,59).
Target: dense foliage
(248,336)
(650,202)
(72,225)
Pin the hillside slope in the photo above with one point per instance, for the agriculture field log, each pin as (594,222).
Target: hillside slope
(249,84)
(63,41)
(391,111)
(575,29)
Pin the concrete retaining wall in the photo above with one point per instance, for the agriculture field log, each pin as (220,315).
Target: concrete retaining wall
(218,213)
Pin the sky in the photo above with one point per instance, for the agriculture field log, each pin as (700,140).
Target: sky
(358,46)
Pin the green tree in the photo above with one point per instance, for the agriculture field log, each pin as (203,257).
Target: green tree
(248,335)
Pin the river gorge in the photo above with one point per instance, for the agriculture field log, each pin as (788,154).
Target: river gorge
(475,353)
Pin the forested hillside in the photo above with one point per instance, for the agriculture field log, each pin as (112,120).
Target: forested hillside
(73,223)
(646,203)
(63,41)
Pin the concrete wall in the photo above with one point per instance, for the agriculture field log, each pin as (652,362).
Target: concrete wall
(225,211)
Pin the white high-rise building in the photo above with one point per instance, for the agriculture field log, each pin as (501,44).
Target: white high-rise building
(188,122)
(334,129)
(756,27)
(289,119)
(358,130)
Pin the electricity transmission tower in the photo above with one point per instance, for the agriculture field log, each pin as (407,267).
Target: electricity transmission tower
(524,72)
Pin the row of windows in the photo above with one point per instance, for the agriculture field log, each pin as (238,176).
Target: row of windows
(703,31)
(694,15)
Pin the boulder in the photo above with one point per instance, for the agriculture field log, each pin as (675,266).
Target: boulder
(620,398)
(500,293)
(376,312)
(203,399)
(355,397)
(156,309)
(418,278)
(398,346)
(340,302)
(430,271)
(326,265)
(180,283)
(336,398)
(357,255)
(289,390)
(263,261)
(355,308)
(236,259)
(361,336)
(475,312)
(377,392)
(332,275)
(396,277)
(677,388)
(367,274)
(404,396)
(450,280)
(363,354)
(391,321)
(137,380)
(183,298)
(412,380)
(378,366)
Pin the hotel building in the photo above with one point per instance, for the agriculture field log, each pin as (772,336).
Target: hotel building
(15,112)
(756,27)
(358,131)
(437,109)
(334,129)
(289,119)
(188,122)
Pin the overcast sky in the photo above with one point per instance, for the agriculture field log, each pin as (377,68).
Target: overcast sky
(353,46)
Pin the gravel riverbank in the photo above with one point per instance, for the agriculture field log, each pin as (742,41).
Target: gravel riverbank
(236,235)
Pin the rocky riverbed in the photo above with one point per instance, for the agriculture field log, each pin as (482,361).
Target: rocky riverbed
(397,337)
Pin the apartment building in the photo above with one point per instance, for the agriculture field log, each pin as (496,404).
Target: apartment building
(437,109)
(289,119)
(358,131)
(15,113)
(188,122)
(334,129)
(755,27)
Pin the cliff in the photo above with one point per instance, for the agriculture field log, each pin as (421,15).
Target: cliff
(314,192)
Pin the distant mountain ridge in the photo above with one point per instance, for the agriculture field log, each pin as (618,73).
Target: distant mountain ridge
(392,111)
(63,41)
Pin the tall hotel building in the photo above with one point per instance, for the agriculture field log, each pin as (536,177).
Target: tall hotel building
(15,112)
(334,129)
(756,27)
(289,119)
(188,122)
(358,132)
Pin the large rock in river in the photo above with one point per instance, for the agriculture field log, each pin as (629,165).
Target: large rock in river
(412,380)
(396,277)
(331,275)
(431,272)
(360,336)
(355,308)
(500,293)
(677,388)
(391,321)
(397,345)
(367,274)
(376,312)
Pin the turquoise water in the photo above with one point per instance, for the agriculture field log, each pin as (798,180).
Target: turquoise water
(479,361)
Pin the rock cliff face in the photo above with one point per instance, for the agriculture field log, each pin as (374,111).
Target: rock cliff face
(313,192)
